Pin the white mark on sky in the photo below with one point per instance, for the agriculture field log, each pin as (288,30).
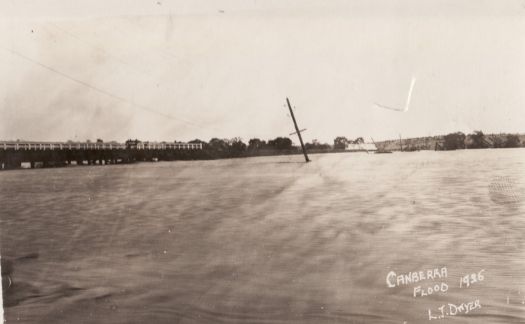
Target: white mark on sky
(407,104)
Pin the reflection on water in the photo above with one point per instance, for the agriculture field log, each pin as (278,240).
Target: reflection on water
(260,241)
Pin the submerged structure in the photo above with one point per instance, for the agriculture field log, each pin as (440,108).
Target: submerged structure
(49,154)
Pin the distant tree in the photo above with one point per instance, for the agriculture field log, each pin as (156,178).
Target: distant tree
(256,144)
(454,141)
(315,145)
(358,140)
(280,143)
(512,141)
(99,140)
(477,140)
(340,142)
(497,141)
(237,147)
(219,145)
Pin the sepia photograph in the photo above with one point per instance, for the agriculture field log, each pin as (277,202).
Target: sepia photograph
(262,161)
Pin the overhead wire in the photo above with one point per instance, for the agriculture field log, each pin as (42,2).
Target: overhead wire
(99,49)
(99,90)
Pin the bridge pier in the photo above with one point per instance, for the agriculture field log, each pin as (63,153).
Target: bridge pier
(13,164)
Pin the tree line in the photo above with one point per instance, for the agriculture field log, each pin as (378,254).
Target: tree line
(478,140)
(235,147)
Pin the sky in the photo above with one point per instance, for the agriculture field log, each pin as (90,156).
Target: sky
(179,70)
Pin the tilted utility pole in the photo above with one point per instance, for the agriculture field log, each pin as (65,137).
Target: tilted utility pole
(297,131)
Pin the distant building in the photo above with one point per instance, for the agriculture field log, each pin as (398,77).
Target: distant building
(360,147)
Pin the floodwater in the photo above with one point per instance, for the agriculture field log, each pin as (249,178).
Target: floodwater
(268,240)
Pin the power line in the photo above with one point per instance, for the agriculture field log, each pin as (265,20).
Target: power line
(109,94)
(99,49)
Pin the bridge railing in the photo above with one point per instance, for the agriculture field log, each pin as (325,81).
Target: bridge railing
(97,146)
